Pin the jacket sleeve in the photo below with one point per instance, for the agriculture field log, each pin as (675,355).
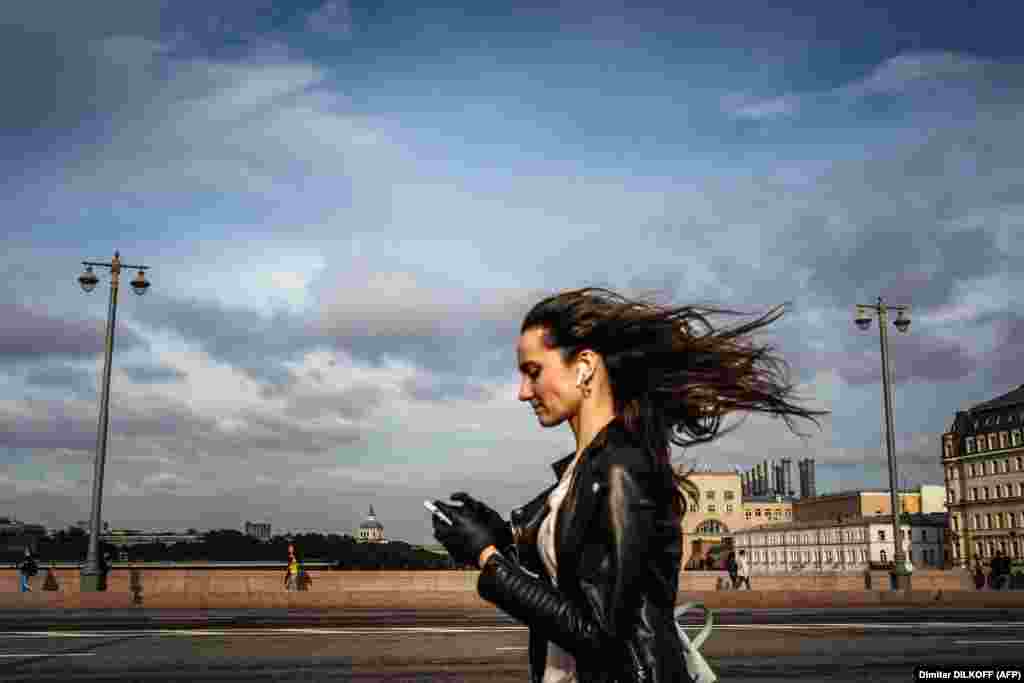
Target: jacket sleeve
(631,513)
(535,602)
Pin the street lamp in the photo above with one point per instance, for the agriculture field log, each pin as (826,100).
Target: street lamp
(94,571)
(902,568)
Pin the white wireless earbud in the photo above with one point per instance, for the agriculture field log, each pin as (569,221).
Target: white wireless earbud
(580,376)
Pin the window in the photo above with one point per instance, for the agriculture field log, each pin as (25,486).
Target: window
(999,491)
(970,449)
(864,556)
(948,449)
(881,534)
(789,514)
(974,494)
(757,512)
(711,527)
(749,514)
(955,521)
(988,521)
(977,521)
(1003,438)
(984,493)
(829,556)
(883,556)
(710,495)
(1020,461)
(728,507)
(970,470)
(991,442)
(693,507)
(729,495)
(1015,440)
(711,507)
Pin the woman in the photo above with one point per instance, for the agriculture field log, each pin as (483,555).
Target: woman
(592,564)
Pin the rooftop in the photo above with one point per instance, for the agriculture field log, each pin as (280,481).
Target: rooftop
(915,519)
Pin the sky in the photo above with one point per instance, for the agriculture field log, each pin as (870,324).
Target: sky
(347,208)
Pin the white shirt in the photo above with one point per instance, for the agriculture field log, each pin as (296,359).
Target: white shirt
(560,666)
(742,568)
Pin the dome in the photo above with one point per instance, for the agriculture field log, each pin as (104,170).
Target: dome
(371,521)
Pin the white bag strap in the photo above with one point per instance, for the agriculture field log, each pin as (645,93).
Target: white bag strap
(698,668)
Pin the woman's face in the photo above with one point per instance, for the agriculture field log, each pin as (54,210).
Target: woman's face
(546,382)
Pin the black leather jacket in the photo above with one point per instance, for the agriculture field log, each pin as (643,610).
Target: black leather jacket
(618,549)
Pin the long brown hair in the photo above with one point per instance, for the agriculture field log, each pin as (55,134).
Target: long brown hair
(673,375)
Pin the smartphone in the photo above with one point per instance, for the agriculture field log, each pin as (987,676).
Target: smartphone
(433,508)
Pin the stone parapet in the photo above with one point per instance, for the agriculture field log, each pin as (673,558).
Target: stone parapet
(192,587)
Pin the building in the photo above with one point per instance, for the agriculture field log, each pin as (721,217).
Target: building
(983,463)
(852,544)
(371,531)
(723,516)
(721,509)
(926,499)
(260,530)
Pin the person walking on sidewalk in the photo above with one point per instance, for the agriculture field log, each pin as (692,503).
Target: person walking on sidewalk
(742,570)
(591,564)
(27,569)
(294,571)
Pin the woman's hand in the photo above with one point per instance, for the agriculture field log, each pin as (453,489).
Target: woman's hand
(467,535)
(488,516)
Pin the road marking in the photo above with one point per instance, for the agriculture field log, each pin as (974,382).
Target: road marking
(260,632)
(51,654)
(392,630)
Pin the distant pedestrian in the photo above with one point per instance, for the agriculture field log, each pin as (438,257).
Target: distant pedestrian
(1000,570)
(730,566)
(742,570)
(292,577)
(27,569)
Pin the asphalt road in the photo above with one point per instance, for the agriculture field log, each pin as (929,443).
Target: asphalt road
(449,646)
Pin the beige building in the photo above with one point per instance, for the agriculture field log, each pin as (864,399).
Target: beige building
(852,544)
(983,459)
(927,499)
(721,511)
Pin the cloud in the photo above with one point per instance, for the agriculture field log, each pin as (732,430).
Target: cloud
(946,76)
(151,374)
(333,18)
(31,333)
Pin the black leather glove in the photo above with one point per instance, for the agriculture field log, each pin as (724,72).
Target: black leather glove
(501,529)
(466,536)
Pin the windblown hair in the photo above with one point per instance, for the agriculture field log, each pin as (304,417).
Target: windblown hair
(673,375)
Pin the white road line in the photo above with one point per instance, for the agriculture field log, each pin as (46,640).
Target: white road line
(259,632)
(393,630)
(53,654)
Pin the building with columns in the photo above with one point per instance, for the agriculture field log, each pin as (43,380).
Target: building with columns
(983,463)
(371,530)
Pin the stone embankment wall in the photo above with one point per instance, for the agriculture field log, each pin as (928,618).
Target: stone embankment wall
(250,588)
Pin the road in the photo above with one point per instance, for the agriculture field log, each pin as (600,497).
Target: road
(476,645)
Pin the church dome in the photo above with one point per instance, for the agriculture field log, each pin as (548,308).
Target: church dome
(371,521)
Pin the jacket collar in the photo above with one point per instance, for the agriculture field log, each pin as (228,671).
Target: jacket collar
(600,439)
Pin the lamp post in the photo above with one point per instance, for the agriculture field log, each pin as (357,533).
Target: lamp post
(94,571)
(902,568)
